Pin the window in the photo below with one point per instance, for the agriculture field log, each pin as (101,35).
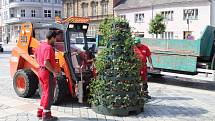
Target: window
(104,5)
(186,33)
(167,35)
(33,13)
(47,13)
(168,15)
(85,9)
(5,15)
(94,6)
(58,13)
(57,1)
(47,1)
(23,13)
(12,13)
(190,14)
(71,9)
(139,18)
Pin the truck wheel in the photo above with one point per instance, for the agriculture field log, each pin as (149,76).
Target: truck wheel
(156,75)
(25,83)
(60,90)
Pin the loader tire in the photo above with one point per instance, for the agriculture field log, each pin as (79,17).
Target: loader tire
(60,92)
(25,83)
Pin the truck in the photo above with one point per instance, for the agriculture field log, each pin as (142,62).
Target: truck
(194,59)
(75,77)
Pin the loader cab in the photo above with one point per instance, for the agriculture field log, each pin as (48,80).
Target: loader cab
(74,33)
(67,39)
(68,35)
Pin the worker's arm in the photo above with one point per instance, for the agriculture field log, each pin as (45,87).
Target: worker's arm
(49,66)
(51,69)
(150,62)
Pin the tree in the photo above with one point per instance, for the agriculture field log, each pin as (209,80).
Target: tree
(157,26)
(116,89)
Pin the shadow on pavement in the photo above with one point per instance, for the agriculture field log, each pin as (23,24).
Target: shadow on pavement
(153,110)
(81,119)
(198,84)
(172,98)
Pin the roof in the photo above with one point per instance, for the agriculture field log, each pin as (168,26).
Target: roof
(129,4)
(72,19)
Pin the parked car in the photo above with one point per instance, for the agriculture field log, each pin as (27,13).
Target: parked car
(1,48)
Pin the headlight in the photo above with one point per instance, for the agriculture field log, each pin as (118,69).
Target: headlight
(84,27)
(71,26)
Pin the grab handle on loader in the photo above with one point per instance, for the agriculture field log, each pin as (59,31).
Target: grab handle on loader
(80,87)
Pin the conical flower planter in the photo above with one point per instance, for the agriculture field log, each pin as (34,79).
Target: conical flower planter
(116,90)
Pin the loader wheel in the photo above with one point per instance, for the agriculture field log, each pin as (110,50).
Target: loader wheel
(60,90)
(25,83)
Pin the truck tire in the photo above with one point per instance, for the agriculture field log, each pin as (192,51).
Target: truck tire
(156,75)
(25,83)
(60,90)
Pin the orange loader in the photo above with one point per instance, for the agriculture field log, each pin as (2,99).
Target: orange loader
(76,69)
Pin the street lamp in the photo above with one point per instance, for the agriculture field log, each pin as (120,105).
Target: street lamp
(188,24)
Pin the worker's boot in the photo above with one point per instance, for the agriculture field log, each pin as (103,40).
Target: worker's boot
(145,91)
(48,117)
(39,113)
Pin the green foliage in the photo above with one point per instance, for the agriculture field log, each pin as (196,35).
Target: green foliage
(105,29)
(157,26)
(118,82)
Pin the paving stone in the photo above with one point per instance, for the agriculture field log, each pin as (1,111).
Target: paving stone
(168,103)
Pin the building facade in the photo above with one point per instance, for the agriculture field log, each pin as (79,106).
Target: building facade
(15,12)
(182,17)
(96,10)
(0,23)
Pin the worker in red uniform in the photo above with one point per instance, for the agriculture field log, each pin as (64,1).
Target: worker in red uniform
(143,52)
(45,56)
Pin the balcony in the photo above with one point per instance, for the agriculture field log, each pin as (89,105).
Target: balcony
(99,17)
(27,19)
(18,3)
(34,3)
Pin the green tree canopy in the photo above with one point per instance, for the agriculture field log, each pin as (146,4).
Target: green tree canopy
(157,26)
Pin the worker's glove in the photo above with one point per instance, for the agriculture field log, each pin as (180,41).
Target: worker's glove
(74,53)
(151,68)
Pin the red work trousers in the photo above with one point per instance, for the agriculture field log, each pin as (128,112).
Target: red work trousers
(48,83)
(143,73)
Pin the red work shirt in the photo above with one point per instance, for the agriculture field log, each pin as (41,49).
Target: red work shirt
(142,52)
(45,52)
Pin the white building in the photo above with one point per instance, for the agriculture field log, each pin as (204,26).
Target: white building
(15,12)
(181,16)
(0,23)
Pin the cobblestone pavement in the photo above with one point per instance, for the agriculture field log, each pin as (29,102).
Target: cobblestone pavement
(169,103)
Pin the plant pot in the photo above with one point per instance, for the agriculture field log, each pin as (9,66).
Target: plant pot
(118,111)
